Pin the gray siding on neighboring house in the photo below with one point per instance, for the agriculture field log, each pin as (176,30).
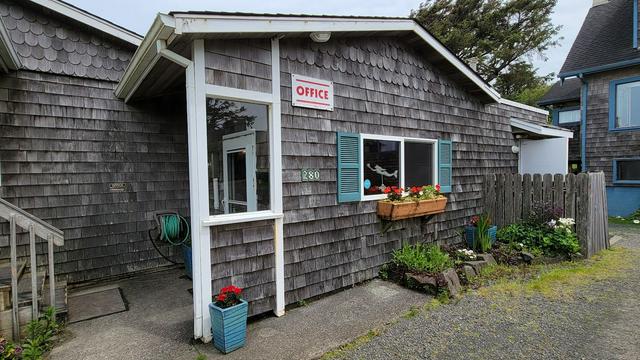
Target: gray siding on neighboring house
(382,86)
(50,43)
(603,145)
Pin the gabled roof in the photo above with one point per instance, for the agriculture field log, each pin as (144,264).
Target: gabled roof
(91,20)
(562,92)
(605,40)
(170,27)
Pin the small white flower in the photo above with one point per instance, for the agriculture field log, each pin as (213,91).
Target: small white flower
(552,223)
(521,245)
(619,217)
(636,221)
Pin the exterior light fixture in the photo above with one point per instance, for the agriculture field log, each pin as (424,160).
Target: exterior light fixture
(320,37)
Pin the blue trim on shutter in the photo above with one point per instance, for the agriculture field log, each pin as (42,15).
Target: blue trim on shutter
(635,24)
(349,164)
(445,162)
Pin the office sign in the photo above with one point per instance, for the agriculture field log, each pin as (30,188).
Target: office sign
(311,93)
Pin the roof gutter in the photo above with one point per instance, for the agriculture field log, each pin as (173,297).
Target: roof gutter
(146,56)
(597,69)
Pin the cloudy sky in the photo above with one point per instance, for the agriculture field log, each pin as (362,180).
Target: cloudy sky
(137,15)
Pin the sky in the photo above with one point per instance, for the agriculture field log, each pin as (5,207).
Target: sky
(137,15)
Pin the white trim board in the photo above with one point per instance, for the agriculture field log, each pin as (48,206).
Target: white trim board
(541,129)
(523,106)
(210,24)
(91,20)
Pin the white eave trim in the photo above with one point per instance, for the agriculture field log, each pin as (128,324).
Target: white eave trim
(91,20)
(540,129)
(9,59)
(523,106)
(186,23)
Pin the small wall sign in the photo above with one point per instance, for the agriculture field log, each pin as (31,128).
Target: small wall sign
(118,187)
(310,175)
(311,93)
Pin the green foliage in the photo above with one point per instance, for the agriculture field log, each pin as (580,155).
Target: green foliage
(38,341)
(201,357)
(422,258)
(482,241)
(558,240)
(501,36)
(532,95)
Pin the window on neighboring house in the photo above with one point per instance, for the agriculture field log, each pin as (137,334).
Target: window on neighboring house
(568,116)
(625,106)
(627,170)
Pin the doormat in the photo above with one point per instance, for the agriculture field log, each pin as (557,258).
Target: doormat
(94,304)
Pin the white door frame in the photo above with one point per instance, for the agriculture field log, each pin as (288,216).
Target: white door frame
(236,142)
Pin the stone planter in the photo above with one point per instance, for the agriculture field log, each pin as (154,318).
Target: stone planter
(473,268)
(388,210)
(229,326)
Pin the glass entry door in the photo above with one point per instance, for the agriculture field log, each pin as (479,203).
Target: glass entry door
(239,172)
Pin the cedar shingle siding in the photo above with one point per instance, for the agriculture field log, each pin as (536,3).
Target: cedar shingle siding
(381,86)
(603,146)
(65,139)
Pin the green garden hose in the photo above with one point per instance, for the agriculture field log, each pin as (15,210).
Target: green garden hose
(170,225)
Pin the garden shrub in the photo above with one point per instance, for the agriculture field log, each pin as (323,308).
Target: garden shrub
(552,238)
(38,341)
(422,258)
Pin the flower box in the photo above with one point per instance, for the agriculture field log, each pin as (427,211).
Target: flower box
(229,326)
(388,210)
(471,232)
(187,255)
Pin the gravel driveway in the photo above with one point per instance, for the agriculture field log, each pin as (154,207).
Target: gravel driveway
(600,321)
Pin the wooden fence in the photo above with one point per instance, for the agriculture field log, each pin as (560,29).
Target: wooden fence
(509,198)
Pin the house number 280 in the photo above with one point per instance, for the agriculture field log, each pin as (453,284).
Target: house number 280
(310,174)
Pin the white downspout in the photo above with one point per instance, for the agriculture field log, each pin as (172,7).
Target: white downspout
(198,182)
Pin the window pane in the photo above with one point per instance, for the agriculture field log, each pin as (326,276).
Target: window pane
(568,116)
(238,149)
(381,165)
(629,170)
(628,105)
(418,164)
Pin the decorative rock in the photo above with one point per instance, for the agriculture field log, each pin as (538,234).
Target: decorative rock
(453,282)
(488,258)
(469,272)
(476,265)
(527,257)
(424,280)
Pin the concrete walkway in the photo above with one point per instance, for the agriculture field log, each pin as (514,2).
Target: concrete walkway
(159,325)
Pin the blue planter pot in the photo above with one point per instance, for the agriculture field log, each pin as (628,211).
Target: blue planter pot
(471,232)
(229,326)
(188,260)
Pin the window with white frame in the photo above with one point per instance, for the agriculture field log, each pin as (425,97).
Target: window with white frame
(238,156)
(395,161)
(568,116)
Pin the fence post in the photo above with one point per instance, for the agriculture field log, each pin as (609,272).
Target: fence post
(517,197)
(582,212)
(570,196)
(527,187)
(34,273)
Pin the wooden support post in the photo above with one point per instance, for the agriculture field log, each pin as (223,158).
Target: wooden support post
(14,279)
(34,273)
(52,279)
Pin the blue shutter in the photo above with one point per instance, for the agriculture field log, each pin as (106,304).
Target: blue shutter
(445,160)
(348,167)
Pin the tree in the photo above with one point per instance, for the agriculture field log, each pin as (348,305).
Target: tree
(497,35)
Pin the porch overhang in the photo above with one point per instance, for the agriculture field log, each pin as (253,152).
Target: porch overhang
(538,131)
(180,27)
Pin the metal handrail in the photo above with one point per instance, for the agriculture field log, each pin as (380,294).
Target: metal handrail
(35,226)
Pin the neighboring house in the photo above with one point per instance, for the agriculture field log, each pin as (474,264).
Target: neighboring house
(598,97)
(274,133)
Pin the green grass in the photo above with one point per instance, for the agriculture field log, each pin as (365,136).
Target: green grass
(556,280)
(622,221)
